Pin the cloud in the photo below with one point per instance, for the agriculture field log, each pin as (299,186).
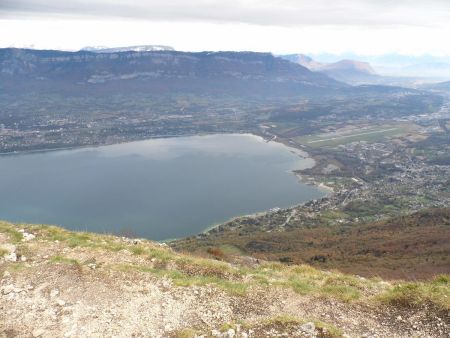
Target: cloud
(260,12)
(281,26)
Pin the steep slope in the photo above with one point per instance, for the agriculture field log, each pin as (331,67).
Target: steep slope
(348,71)
(305,61)
(439,86)
(143,48)
(349,65)
(220,73)
(57,283)
(407,247)
(43,82)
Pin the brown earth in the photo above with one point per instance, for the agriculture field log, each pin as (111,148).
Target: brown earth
(409,247)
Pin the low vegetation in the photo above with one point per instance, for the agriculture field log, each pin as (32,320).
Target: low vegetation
(188,270)
(91,258)
(14,235)
(407,247)
(435,292)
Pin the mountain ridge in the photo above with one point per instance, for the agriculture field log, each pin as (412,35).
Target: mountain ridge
(236,73)
(137,48)
(345,70)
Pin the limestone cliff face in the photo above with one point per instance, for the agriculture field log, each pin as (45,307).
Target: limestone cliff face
(226,72)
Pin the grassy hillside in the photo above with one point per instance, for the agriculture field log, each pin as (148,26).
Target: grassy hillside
(57,282)
(408,247)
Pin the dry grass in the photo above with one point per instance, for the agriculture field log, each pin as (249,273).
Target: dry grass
(408,247)
(12,232)
(187,270)
(412,295)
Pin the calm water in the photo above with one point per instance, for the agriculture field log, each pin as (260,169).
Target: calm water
(158,189)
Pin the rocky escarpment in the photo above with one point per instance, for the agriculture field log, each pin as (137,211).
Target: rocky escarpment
(155,71)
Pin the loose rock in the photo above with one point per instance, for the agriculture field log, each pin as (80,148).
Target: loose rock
(27,237)
(38,332)
(12,257)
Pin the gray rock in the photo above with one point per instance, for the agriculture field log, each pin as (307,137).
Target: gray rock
(216,333)
(12,257)
(38,332)
(7,289)
(28,237)
(231,333)
(308,328)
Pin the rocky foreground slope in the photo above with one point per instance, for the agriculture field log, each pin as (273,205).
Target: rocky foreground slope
(56,283)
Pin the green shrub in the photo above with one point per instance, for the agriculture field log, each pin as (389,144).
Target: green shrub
(435,292)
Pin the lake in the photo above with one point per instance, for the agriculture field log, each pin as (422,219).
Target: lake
(157,189)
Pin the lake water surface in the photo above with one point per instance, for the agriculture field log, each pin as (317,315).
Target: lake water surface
(158,189)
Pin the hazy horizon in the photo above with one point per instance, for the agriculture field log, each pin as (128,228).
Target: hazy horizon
(366,27)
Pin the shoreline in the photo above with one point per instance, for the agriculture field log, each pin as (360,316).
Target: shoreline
(94,146)
(327,190)
(300,153)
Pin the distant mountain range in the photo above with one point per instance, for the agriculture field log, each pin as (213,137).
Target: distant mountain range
(163,81)
(303,60)
(142,48)
(439,86)
(223,73)
(349,71)
(429,67)
(404,71)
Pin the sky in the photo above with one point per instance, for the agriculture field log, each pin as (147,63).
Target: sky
(362,27)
